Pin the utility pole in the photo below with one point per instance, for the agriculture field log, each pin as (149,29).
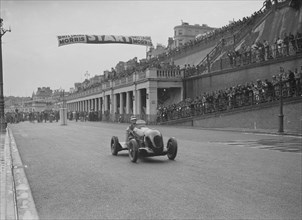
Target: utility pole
(3,124)
(63,109)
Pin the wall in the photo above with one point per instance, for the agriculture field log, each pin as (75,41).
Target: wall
(193,59)
(265,116)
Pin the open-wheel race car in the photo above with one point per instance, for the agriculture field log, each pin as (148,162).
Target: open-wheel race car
(145,142)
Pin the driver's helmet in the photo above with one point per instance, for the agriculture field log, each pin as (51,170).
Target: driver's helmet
(133,118)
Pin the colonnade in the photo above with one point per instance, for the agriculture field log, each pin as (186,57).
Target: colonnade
(86,105)
(135,102)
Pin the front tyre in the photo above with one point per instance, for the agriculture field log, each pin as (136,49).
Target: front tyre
(133,150)
(172,148)
(114,144)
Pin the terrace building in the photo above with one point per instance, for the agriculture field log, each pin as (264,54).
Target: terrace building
(185,32)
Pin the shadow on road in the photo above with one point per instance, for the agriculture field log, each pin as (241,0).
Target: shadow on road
(155,160)
(288,145)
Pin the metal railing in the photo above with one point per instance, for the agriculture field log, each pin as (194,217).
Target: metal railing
(227,101)
(252,56)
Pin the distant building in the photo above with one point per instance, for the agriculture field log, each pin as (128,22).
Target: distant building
(86,83)
(106,74)
(42,93)
(182,34)
(170,42)
(154,52)
(56,95)
(12,103)
(77,86)
(43,99)
(120,67)
(185,32)
(131,64)
(96,79)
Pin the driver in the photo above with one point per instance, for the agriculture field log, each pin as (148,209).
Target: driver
(131,127)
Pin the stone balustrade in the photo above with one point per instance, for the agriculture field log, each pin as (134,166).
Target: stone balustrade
(169,73)
(151,73)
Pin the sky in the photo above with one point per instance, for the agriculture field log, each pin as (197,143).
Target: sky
(31,55)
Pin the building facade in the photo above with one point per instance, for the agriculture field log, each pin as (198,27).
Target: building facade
(185,32)
(154,52)
(136,94)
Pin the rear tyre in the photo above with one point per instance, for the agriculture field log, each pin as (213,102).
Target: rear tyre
(172,148)
(133,150)
(114,144)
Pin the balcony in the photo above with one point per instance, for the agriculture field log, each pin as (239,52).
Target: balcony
(151,73)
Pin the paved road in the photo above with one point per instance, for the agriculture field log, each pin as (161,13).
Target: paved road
(216,174)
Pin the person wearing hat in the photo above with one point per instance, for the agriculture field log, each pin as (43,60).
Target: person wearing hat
(131,126)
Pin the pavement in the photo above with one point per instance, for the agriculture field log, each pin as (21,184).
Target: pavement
(16,200)
(255,131)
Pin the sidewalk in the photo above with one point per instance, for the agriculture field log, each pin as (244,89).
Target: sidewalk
(257,131)
(246,130)
(16,201)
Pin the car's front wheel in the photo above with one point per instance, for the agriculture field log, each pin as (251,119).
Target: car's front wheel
(114,144)
(133,150)
(172,148)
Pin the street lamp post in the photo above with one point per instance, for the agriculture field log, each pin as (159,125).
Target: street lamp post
(281,116)
(3,124)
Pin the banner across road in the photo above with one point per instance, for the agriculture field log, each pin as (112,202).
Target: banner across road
(104,39)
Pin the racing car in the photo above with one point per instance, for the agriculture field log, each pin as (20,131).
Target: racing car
(144,142)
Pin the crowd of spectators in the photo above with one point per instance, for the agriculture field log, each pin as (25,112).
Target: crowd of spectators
(39,116)
(290,44)
(51,116)
(251,93)
(91,115)
(260,51)
(96,115)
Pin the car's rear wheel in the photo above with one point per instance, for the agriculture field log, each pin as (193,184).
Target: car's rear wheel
(114,145)
(172,148)
(133,150)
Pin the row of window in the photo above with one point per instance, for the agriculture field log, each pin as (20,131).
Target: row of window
(190,32)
